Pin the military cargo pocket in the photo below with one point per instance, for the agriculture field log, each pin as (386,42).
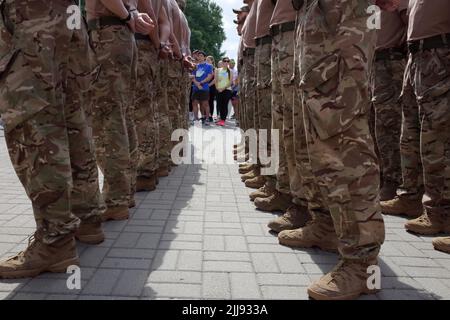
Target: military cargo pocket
(333,96)
(432,74)
(22,93)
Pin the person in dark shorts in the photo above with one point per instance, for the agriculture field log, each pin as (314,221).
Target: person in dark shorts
(202,75)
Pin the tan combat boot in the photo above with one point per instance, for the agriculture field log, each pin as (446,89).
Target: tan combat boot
(146,184)
(347,281)
(116,213)
(429,224)
(246,168)
(442,244)
(388,191)
(276,202)
(294,218)
(263,192)
(318,232)
(256,182)
(163,171)
(255,172)
(402,206)
(90,232)
(40,257)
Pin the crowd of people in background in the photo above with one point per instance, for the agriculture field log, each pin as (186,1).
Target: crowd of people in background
(214,86)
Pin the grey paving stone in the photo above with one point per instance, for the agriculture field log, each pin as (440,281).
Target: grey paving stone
(175,277)
(284,293)
(92,256)
(103,282)
(165,260)
(226,256)
(127,240)
(279,279)
(235,243)
(244,286)
(190,260)
(213,242)
(264,262)
(172,290)
(227,266)
(131,283)
(216,286)
(120,263)
(131,253)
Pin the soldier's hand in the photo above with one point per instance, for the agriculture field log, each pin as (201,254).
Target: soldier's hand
(132,23)
(165,52)
(144,24)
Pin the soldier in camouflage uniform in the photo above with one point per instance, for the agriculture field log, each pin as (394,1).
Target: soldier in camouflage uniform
(150,47)
(185,79)
(112,111)
(263,104)
(43,73)
(335,51)
(163,111)
(387,81)
(288,178)
(249,170)
(428,75)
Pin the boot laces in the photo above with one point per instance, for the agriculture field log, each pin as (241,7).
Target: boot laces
(339,271)
(30,248)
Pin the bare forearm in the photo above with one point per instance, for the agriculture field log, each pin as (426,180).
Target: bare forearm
(117,7)
(164,26)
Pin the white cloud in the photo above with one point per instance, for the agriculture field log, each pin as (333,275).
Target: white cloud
(231,44)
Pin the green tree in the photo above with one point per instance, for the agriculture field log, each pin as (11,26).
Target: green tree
(205,21)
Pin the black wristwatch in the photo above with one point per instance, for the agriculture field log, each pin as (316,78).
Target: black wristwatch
(128,18)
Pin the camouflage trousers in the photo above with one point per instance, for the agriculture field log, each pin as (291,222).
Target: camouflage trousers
(288,179)
(241,96)
(428,72)
(174,94)
(162,115)
(334,67)
(263,105)
(146,109)
(386,88)
(411,163)
(249,88)
(113,113)
(45,125)
(184,100)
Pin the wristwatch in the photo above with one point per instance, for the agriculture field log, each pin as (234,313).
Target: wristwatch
(128,18)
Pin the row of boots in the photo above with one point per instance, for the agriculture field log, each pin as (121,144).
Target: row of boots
(423,222)
(56,254)
(297,227)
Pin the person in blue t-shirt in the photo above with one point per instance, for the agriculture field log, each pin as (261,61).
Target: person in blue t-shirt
(201,77)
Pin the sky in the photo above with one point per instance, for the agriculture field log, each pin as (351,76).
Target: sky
(231,44)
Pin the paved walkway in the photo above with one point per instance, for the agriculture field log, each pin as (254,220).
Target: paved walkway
(199,237)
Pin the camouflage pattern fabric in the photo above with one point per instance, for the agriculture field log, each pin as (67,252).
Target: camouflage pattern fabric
(412,172)
(162,114)
(112,111)
(46,130)
(386,89)
(282,110)
(263,105)
(146,108)
(335,54)
(174,94)
(250,91)
(432,91)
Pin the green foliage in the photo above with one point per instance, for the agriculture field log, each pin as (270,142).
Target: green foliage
(205,21)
